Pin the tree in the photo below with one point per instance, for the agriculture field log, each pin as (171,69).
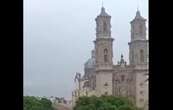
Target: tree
(104,103)
(34,103)
(47,103)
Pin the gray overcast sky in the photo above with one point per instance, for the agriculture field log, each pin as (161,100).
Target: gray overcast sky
(58,38)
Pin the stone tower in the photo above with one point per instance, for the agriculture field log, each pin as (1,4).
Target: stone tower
(138,46)
(104,53)
(138,56)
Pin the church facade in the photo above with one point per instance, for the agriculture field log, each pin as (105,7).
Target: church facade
(102,77)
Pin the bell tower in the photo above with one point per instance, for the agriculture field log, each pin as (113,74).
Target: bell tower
(103,42)
(138,46)
(103,54)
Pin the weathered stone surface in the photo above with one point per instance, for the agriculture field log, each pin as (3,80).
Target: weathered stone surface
(122,79)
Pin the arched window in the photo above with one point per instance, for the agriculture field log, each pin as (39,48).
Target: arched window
(131,57)
(104,26)
(142,55)
(105,55)
(122,78)
(141,28)
(105,51)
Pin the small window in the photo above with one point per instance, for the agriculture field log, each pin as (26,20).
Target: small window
(141,84)
(141,100)
(141,92)
(122,78)
(106,93)
(106,84)
(104,27)
(142,55)
(105,55)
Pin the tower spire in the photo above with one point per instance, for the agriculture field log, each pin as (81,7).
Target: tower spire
(139,5)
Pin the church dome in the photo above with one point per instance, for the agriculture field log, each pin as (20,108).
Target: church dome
(90,63)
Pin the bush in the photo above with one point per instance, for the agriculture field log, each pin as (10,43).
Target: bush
(104,103)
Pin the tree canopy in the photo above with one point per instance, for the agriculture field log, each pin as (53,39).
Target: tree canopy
(34,103)
(104,103)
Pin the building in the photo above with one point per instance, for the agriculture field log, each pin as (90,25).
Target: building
(102,77)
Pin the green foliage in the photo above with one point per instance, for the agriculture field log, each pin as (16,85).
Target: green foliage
(104,103)
(33,103)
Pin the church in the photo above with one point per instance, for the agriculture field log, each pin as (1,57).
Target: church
(102,77)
